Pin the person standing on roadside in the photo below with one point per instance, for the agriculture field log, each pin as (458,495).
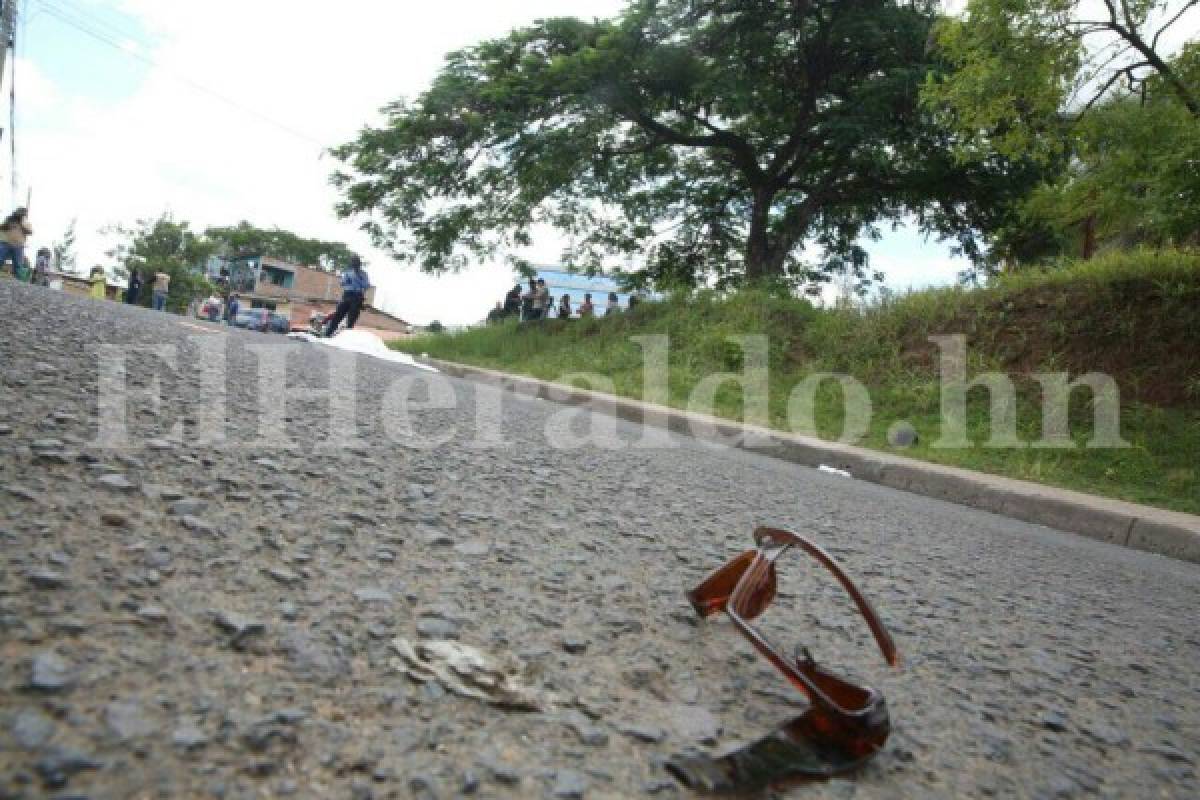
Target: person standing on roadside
(15,230)
(162,286)
(541,299)
(354,291)
(233,308)
(134,290)
(587,308)
(528,302)
(512,302)
(41,266)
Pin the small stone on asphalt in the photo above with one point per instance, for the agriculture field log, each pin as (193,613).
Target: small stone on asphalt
(49,672)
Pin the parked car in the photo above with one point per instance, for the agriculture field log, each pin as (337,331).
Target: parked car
(253,319)
(280,323)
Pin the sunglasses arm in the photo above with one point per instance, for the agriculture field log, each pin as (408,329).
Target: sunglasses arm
(882,638)
(797,678)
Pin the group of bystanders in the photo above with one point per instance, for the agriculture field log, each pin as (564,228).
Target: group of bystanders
(535,303)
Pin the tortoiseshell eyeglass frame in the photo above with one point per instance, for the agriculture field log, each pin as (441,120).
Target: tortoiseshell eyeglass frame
(854,715)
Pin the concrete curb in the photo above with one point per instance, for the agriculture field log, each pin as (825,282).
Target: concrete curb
(1169,533)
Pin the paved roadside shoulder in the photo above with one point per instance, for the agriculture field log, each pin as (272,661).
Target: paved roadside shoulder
(1169,533)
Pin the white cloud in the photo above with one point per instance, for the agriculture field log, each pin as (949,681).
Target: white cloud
(39,94)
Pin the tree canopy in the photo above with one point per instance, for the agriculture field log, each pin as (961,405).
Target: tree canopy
(1103,90)
(164,245)
(709,137)
(246,238)
(1026,70)
(1134,178)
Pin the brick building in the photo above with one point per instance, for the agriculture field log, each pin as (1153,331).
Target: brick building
(298,291)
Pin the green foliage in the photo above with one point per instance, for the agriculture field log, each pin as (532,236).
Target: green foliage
(435,327)
(1025,69)
(717,141)
(277,243)
(1134,175)
(164,245)
(1163,268)
(1136,168)
(63,250)
(1134,315)
(1082,91)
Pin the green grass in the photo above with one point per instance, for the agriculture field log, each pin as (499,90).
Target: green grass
(1135,316)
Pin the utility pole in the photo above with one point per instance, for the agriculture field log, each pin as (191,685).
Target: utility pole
(8,27)
(8,24)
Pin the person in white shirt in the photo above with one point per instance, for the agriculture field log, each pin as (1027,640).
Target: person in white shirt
(162,285)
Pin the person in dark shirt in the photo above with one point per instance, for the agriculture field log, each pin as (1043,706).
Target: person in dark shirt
(529,308)
(134,292)
(41,265)
(354,290)
(512,302)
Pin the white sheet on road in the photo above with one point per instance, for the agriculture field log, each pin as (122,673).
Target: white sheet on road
(365,343)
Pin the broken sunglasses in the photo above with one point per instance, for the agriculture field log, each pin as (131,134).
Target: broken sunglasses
(845,724)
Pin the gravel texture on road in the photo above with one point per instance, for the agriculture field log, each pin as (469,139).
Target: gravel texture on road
(181,618)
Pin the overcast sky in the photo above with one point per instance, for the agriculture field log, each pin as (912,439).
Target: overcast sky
(219,110)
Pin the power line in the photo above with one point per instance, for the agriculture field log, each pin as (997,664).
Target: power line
(95,21)
(65,17)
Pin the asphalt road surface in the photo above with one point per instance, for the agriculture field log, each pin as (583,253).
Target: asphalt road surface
(181,617)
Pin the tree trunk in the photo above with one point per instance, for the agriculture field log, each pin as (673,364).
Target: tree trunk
(758,243)
(1089,236)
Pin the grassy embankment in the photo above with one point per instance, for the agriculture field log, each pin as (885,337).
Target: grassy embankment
(1134,316)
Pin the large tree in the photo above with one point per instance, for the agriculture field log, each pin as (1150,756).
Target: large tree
(164,245)
(708,136)
(278,243)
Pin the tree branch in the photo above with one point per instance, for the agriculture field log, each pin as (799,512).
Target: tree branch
(1114,18)
(1108,85)
(1132,36)
(669,134)
(743,154)
(653,144)
(1095,70)
(1186,6)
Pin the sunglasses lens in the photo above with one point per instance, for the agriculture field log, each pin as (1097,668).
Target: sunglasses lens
(756,593)
(712,595)
(812,746)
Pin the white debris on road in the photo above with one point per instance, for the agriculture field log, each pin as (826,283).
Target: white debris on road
(464,670)
(364,343)
(835,471)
